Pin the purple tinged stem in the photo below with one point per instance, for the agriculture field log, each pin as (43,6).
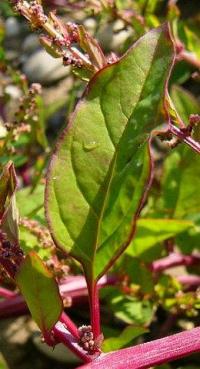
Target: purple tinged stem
(4,292)
(62,335)
(93,292)
(174,259)
(73,286)
(190,280)
(149,354)
(185,138)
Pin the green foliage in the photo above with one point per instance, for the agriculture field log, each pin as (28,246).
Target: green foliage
(33,208)
(40,291)
(8,209)
(106,191)
(153,231)
(3,364)
(99,175)
(124,339)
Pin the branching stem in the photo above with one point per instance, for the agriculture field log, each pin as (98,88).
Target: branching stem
(185,137)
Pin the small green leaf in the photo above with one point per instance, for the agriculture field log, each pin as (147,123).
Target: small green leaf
(131,310)
(184,102)
(34,207)
(40,291)
(8,209)
(92,48)
(100,171)
(29,242)
(3,364)
(124,339)
(180,182)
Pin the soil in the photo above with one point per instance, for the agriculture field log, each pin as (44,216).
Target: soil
(18,349)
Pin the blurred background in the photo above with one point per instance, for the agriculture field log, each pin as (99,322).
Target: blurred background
(24,61)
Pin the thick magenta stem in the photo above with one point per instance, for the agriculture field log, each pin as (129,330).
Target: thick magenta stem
(191,281)
(93,292)
(13,306)
(62,335)
(73,287)
(174,259)
(185,138)
(151,353)
(4,292)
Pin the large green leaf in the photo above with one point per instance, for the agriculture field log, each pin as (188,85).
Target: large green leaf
(40,291)
(152,231)
(100,170)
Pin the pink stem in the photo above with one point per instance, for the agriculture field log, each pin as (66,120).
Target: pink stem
(62,335)
(185,138)
(4,292)
(73,286)
(93,292)
(189,280)
(189,58)
(174,259)
(69,324)
(13,306)
(149,354)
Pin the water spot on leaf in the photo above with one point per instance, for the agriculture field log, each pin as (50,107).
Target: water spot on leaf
(90,145)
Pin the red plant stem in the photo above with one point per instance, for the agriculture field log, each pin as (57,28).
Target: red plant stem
(190,58)
(4,292)
(185,138)
(69,324)
(73,286)
(189,280)
(151,353)
(93,292)
(62,335)
(14,306)
(174,259)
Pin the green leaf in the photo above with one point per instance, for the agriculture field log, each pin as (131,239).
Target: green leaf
(34,207)
(152,231)
(190,35)
(184,102)
(40,291)
(29,242)
(181,180)
(8,209)
(124,339)
(3,364)
(139,274)
(131,310)
(100,170)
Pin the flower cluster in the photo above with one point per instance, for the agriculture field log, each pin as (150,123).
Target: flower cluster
(11,255)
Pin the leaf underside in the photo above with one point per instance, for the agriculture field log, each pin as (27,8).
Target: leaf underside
(101,168)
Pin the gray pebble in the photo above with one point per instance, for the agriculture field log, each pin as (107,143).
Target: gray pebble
(43,68)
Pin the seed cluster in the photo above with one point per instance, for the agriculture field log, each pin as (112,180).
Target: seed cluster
(11,255)
(59,39)
(87,338)
(33,11)
(26,113)
(39,231)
